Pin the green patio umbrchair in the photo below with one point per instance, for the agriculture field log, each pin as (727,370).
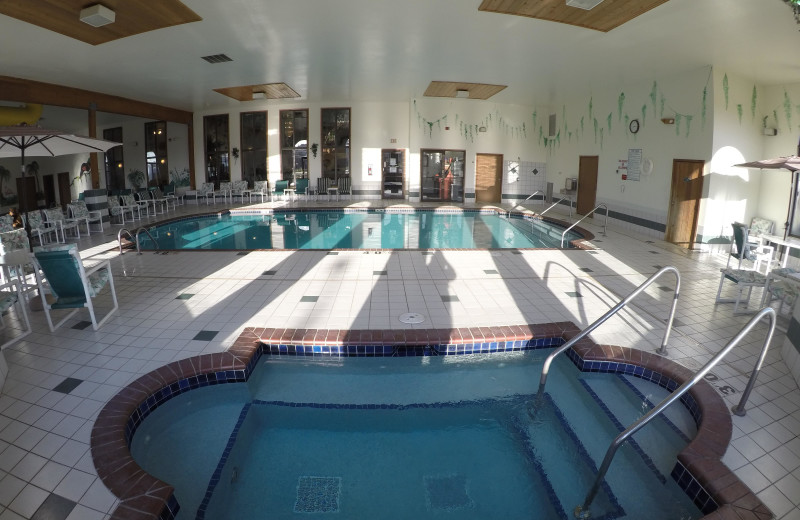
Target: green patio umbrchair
(71,284)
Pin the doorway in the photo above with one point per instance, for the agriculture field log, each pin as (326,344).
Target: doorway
(488,177)
(442,175)
(64,193)
(684,202)
(392,171)
(49,187)
(587,183)
(28,201)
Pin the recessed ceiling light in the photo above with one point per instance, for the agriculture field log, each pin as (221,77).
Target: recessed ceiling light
(97,15)
(583,4)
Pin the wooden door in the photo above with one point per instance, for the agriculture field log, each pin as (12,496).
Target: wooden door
(27,201)
(49,188)
(488,177)
(587,183)
(684,202)
(64,193)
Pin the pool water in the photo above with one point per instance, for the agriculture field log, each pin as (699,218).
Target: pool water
(425,437)
(363,230)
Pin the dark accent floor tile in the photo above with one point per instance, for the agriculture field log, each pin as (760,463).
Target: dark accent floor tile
(427,253)
(449,298)
(593,252)
(380,273)
(676,322)
(332,253)
(184,296)
(54,507)
(490,271)
(243,253)
(574,294)
(81,325)
(586,270)
(269,273)
(516,252)
(309,299)
(597,241)
(649,242)
(664,288)
(655,252)
(206,335)
(658,266)
(68,385)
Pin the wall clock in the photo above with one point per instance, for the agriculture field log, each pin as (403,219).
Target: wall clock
(634,126)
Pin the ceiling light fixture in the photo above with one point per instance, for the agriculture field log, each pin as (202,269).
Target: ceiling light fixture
(583,4)
(462,93)
(97,15)
(259,95)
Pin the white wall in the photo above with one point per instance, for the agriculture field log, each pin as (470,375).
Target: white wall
(611,108)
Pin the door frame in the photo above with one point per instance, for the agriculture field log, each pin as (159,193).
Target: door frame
(583,196)
(675,189)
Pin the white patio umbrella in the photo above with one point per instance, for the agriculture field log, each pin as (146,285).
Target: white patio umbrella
(41,142)
(791,163)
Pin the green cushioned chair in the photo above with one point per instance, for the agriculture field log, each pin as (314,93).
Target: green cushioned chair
(71,284)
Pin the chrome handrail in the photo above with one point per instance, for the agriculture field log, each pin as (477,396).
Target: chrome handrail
(605,224)
(138,232)
(582,511)
(599,321)
(530,197)
(556,203)
(119,238)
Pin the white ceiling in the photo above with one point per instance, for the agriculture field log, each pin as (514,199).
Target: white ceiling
(390,50)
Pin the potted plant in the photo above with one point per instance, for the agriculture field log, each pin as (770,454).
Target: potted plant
(136,178)
(85,171)
(314,148)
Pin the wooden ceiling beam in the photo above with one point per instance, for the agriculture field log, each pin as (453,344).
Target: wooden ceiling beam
(27,91)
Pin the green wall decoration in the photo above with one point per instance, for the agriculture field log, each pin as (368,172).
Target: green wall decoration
(739,111)
(775,115)
(787,108)
(620,104)
(678,118)
(596,126)
(663,101)
(753,102)
(644,114)
(705,104)
(725,89)
(590,108)
(688,123)
(653,94)
(608,122)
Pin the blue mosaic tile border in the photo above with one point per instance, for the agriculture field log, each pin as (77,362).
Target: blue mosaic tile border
(215,477)
(696,492)
(621,428)
(411,350)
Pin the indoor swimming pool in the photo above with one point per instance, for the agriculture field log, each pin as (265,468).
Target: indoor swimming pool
(416,437)
(374,229)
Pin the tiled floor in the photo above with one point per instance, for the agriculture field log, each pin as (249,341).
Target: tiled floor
(178,305)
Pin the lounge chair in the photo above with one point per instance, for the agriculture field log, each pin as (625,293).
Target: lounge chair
(280,186)
(224,191)
(56,218)
(744,279)
(239,189)
(206,190)
(72,285)
(128,202)
(17,240)
(160,198)
(301,187)
(261,188)
(10,292)
(39,228)
(80,211)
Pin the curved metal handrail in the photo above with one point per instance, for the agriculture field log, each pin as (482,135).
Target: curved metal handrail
(530,197)
(582,511)
(605,224)
(599,321)
(119,238)
(556,203)
(139,232)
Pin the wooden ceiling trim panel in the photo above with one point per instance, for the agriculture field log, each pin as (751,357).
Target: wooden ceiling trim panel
(451,88)
(27,91)
(604,17)
(270,90)
(132,17)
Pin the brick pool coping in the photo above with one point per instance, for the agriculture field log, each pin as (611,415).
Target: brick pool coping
(142,496)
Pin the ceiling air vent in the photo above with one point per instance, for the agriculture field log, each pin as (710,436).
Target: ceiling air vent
(217,58)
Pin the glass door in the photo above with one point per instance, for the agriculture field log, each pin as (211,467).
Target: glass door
(442,175)
(393,171)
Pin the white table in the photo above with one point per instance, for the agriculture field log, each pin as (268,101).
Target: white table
(333,190)
(787,243)
(17,258)
(289,194)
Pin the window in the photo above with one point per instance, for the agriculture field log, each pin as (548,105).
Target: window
(294,144)
(155,147)
(442,175)
(254,146)
(335,143)
(115,163)
(215,130)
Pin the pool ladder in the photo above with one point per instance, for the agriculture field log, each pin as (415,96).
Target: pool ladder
(134,238)
(582,511)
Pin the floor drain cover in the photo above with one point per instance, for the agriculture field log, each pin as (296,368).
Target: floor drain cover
(412,317)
